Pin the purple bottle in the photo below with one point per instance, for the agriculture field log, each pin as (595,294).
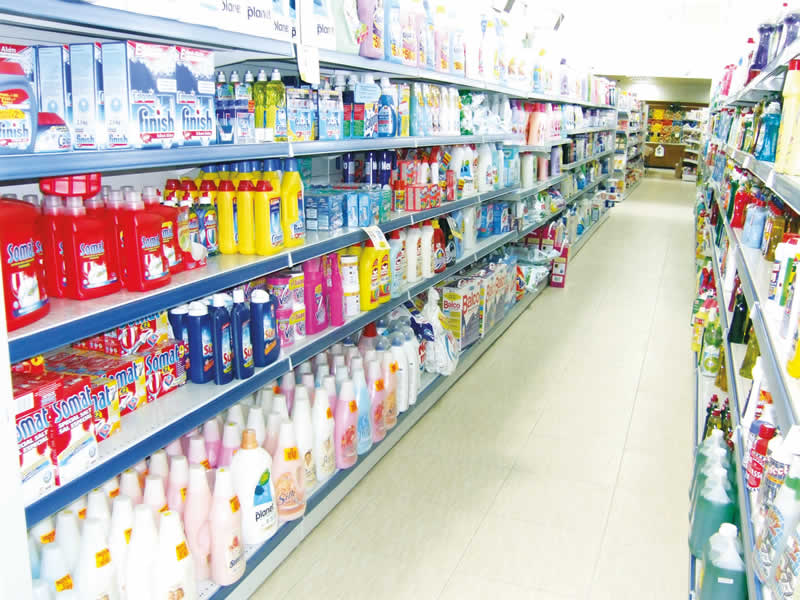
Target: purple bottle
(762,52)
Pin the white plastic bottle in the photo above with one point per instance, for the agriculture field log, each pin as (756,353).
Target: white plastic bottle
(95,576)
(400,359)
(280,405)
(252,482)
(290,497)
(274,421)
(119,536)
(323,427)
(470,231)
(195,520)
(154,495)
(484,177)
(97,508)
(411,348)
(55,572)
(413,255)
(212,439)
(255,421)
(129,485)
(44,532)
(303,431)
(426,242)
(159,465)
(227,553)
(236,415)
(265,395)
(231,440)
(783,516)
(141,558)
(178,482)
(68,537)
(173,572)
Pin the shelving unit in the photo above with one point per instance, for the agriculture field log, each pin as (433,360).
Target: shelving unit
(629,163)
(163,421)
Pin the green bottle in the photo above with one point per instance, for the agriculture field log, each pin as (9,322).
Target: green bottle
(713,508)
(738,321)
(260,102)
(712,346)
(276,107)
(750,355)
(724,576)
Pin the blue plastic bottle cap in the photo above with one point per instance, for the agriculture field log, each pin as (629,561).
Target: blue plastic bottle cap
(272,164)
(290,164)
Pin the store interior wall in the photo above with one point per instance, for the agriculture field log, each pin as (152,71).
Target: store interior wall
(666,89)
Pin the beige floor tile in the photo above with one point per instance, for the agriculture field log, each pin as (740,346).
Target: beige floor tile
(468,587)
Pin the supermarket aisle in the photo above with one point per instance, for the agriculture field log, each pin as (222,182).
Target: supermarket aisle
(557,467)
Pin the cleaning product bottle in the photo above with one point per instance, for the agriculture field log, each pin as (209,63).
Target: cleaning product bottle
(385,276)
(396,263)
(212,439)
(141,556)
(95,575)
(129,485)
(349,29)
(785,153)
(221,340)
(426,244)
(243,365)
(244,217)
(370,12)
(195,518)
(400,366)
(377,400)
(346,424)
(364,422)
(255,421)
(263,134)
(174,569)
(226,212)
(712,344)
(314,298)
(227,552)
(411,347)
(369,276)
(767,140)
(714,507)
(334,290)
(288,387)
(69,537)
(292,205)
(439,248)
(290,496)
(208,231)
(348,101)
(201,349)
(89,263)
(231,441)
(323,431)
(303,431)
(119,535)
(414,254)
(154,495)
(387,112)
(724,574)
(169,227)
(275,120)
(267,219)
(263,329)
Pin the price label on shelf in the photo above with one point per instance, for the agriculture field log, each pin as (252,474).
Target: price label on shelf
(308,63)
(376,235)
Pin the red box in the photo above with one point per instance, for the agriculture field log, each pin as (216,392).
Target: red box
(164,368)
(136,337)
(72,440)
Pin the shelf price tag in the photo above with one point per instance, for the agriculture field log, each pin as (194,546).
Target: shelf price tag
(308,63)
(376,235)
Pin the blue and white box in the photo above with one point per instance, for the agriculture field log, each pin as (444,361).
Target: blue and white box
(197,119)
(116,95)
(152,87)
(88,116)
(53,77)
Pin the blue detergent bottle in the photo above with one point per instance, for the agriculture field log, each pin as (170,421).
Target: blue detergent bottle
(180,331)
(263,328)
(221,340)
(387,112)
(201,348)
(243,365)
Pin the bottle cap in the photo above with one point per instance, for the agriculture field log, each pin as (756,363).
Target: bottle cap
(262,75)
(245,185)
(197,451)
(249,439)
(276,75)
(197,309)
(259,297)
(238,296)
(219,300)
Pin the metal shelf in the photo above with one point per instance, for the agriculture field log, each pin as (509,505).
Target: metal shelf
(583,161)
(540,149)
(587,189)
(158,423)
(573,251)
(786,186)
(72,320)
(629,191)
(540,186)
(591,129)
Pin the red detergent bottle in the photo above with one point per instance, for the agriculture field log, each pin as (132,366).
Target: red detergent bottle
(95,207)
(53,248)
(23,274)
(115,206)
(89,257)
(169,226)
(144,258)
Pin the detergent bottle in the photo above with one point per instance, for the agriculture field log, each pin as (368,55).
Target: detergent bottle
(53,250)
(783,516)
(724,576)
(263,329)
(314,297)
(174,572)
(267,219)
(221,340)
(400,366)
(141,554)
(275,114)
(194,253)
(243,366)
(290,494)
(195,517)
(439,248)
(370,12)
(89,264)
(95,575)
(227,550)
(168,212)
(260,105)
(346,421)
(272,172)
(364,423)
(251,468)
(394,34)
(201,349)
(144,258)
(292,205)
(207,217)
(244,217)
(226,213)
(387,112)
(369,276)
(385,274)
(304,434)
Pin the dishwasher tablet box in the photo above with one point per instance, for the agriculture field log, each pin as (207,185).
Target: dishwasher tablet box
(197,120)
(115,94)
(53,77)
(37,471)
(460,306)
(88,114)
(72,439)
(105,406)
(164,369)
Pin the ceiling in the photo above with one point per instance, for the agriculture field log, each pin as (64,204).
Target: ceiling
(681,38)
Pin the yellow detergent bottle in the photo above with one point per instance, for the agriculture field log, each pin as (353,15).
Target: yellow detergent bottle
(248,170)
(385,276)
(272,172)
(267,204)
(244,217)
(226,217)
(292,205)
(786,155)
(224,171)
(369,276)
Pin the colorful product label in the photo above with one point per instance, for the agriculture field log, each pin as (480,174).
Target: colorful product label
(247,345)
(227,349)
(23,272)
(154,266)
(93,267)
(165,366)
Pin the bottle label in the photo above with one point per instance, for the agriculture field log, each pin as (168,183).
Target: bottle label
(247,345)
(309,473)
(326,461)
(168,244)
(94,272)
(787,571)
(348,440)
(270,341)
(439,258)
(227,349)
(210,239)
(364,430)
(298,228)
(771,535)
(288,494)
(710,360)
(128,533)
(377,26)
(377,417)
(385,120)
(275,230)
(263,504)
(319,304)
(181,551)
(153,264)
(208,350)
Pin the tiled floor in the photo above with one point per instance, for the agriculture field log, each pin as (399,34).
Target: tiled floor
(557,467)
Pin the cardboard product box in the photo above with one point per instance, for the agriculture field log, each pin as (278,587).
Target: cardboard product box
(164,368)
(105,407)
(460,306)
(195,93)
(54,79)
(72,438)
(558,278)
(37,471)
(23,55)
(115,95)
(88,106)
(133,337)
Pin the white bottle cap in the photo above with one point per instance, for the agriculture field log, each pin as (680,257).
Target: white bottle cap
(211,431)
(54,564)
(255,421)
(197,451)
(236,415)
(729,530)
(179,471)
(265,395)
(219,300)
(159,465)
(197,309)
(276,75)
(97,507)
(231,435)
(223,484)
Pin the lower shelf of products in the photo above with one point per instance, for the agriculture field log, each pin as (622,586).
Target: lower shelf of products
(262,560)
(631,188)
(155,425)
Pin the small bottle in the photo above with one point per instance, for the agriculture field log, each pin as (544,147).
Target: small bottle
(158,465)
(212,441)
(119,536)
(231,441)
(154,495)
(129,486)
(255,421)
(377,396)
(68,537)
(141,554)
(178,484)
